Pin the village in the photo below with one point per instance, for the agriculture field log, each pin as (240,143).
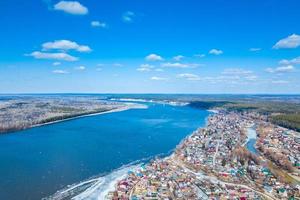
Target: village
(215,163)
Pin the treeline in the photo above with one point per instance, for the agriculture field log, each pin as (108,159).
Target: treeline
(21,126)
(285,114)
(291,121)
(280,159)
(208,104)
(263,107)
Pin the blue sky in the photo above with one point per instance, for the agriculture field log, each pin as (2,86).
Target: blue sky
(139,46)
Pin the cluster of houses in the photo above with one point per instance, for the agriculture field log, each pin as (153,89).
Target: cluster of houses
(165,179)
(214,163)
(160,179)
(281,143)
(209,148)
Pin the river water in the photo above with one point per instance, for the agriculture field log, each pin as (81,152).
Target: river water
(252,137)
(37,162)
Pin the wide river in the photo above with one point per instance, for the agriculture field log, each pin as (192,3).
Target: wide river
(37,162)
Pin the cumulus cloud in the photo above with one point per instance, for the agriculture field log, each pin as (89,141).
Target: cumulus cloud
(178,58)
(65,45)
(254,49)
(237,74)
(236,71)
(157,78)
(62,46)
(98,24)
(145,68)
(281,69)
(53,56)
(280,82)
(128,16)
(251,78)
(71,7)
(294,61)
(180,65)
(291,42)
(58,71)
(80,68)
(216,79)
(56,63)
(154,57)
(118,65)
(190,77)
(216,52)
(270,70)
(199,55)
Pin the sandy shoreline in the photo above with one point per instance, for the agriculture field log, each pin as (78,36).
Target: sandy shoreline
(213,111)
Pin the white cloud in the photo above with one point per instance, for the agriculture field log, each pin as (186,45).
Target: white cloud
(65,45)
(81,68)
(98,24)
(291,42)
(128,16)
(237,74)
(190,77)
(281,69)
(200,55)
(216,79)
(180,65)
(251,78)
(53,56)
(254,49)
(280,82)
(288,68)
(236,71)
(270,70)
(99,69)
(145,68)
(56,63)
(159,70)
(178,58)
(71,7)
(294,61)
(157,78)
(216,52)
(154,57)
(118,65)
(60,71)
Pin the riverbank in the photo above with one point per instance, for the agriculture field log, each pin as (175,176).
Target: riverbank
(251,139)
(124,108)
(58,119)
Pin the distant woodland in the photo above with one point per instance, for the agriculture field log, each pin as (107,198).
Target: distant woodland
(285,114)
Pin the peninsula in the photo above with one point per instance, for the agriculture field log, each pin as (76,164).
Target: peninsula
(29,111)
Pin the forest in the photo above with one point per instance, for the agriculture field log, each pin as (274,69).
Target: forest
(282,113)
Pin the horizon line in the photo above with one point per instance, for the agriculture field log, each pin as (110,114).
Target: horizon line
(117,93)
